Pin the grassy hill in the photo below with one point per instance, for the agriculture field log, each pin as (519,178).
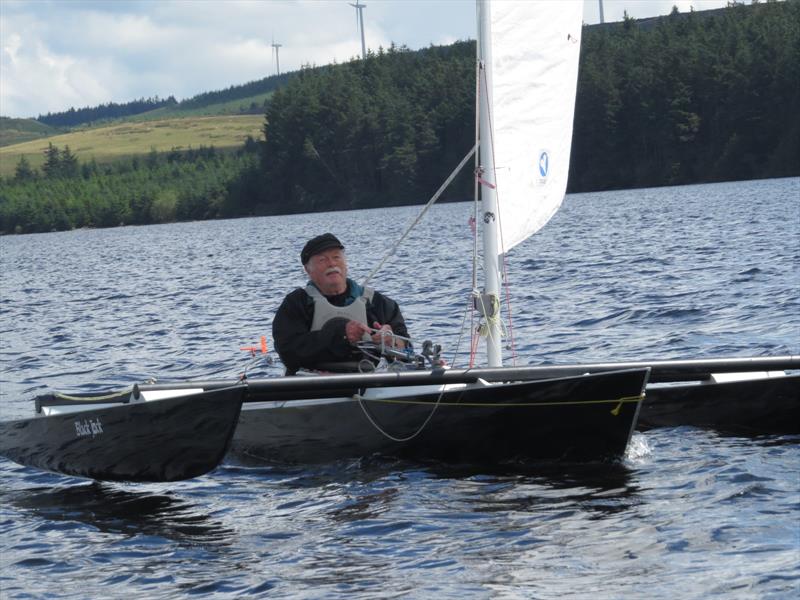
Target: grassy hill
(124,139)
(222,119)
(252,105)
(16,131)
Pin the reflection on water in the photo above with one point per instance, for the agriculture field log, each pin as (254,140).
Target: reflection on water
(111,509)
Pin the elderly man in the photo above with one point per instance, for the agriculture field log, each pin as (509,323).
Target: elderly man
(317,326)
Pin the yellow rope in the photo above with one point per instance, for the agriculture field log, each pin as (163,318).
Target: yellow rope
(484,327)
(618,401)
(93,398)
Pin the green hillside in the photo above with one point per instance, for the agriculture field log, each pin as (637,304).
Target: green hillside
(249,99)
(125,139)
(254,105)
(16,131)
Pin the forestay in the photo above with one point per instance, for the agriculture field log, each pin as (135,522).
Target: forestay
(535,52)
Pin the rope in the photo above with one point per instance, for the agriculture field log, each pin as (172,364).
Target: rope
(507,288)
(388,435)
(616,401)
(475,189)
(460,335)
(430,203)
(118,395)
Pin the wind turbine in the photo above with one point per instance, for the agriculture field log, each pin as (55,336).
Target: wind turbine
(602,20)
(275,52)
(360,24)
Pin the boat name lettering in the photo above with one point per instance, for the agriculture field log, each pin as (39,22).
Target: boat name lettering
(88,427)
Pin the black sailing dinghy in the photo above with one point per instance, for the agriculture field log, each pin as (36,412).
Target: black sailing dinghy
(456,415)
(493,414)
(451,415)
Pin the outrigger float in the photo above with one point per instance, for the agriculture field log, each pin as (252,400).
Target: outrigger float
(126,436)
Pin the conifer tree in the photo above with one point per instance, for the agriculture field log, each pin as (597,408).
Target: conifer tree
(24,171)
(52,161)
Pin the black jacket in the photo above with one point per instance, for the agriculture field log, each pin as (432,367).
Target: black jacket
(299,347)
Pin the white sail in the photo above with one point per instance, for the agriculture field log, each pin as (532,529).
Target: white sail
(535,46)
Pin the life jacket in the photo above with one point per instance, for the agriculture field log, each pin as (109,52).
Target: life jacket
(324,311)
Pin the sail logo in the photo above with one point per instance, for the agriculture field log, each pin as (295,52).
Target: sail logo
(88,427)
(543,166)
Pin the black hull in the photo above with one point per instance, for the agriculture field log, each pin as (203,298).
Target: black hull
(573,413)
(751,407)
(585,418)
(161,440)
(762,406)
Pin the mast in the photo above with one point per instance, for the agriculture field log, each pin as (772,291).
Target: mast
(489,304)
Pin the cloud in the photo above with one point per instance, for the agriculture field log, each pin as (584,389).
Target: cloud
(37,80)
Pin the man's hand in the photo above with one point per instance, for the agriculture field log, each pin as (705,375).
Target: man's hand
(384,336)
(354,331)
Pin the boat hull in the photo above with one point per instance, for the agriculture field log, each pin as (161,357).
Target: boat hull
(162,440)
(769,405)
(752,403)
(589,417)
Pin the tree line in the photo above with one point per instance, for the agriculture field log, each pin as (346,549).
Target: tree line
(161,187)
(111,110)
(91,114)
(236,92)
(690,98)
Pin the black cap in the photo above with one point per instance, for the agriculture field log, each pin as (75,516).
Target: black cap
(319,244)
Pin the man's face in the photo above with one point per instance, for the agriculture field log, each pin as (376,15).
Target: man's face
(328,271)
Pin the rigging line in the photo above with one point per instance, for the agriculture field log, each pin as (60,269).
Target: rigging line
(388,435)
(474,350)
(460,334)
(430,203)
(543,404)
(475,205)
(475,186)
(507,287)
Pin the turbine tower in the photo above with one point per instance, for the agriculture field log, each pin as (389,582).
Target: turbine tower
(360,25)
(602,20)
(275,53)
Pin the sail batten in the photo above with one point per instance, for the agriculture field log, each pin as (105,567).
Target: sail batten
(535,48)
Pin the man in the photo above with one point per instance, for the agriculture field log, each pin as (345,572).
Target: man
(319,324)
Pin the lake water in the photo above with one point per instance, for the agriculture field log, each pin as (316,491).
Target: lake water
(685,272)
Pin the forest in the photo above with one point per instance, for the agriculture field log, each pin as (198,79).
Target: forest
(112,110)
(690,98)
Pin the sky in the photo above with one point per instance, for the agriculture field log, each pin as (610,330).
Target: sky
(57,54)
